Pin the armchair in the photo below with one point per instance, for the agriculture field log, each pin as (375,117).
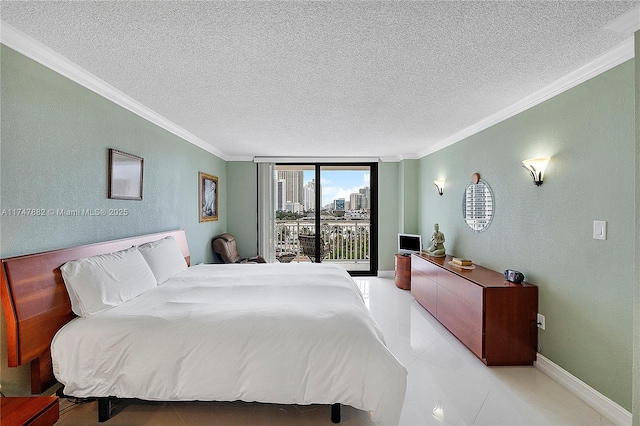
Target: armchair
(224,246)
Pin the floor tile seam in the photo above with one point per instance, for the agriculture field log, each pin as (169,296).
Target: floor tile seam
(426,349)
(382,324)
(184,423)
(461,353)
(403,362)
(491,381)
(407,366)
(484,402)
(430,344)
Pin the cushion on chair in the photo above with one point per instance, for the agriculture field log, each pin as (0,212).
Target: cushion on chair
(224,245)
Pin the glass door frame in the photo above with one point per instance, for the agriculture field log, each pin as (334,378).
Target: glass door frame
(373,213)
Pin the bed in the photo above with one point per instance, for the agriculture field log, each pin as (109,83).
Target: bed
(272,333)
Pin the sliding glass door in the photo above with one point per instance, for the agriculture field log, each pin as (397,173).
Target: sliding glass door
(327,213)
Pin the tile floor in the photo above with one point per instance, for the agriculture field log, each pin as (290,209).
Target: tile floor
(447,385)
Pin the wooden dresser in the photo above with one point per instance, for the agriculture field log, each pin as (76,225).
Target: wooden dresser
(494,318)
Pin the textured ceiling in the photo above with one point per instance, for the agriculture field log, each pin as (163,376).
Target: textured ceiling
(324,78)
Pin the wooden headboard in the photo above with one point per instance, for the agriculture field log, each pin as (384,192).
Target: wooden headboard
(36,304)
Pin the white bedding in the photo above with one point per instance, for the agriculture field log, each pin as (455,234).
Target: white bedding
(274,333)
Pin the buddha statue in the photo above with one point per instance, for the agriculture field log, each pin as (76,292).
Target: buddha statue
(436,249)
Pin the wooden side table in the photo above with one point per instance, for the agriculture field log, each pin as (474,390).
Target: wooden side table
(29,410)
(403,271)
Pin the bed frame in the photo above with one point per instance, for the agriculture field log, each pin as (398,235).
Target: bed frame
(36,305)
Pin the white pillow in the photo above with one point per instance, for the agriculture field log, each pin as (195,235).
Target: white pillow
(102,282)
(164,258)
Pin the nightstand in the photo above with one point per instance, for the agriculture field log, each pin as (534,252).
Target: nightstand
(403,271)
(29,410)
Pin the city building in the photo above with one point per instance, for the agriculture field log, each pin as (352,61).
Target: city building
(310,196)
(281,194)
(294,184)
(357,202)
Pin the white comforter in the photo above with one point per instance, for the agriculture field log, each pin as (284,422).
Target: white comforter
(275,333)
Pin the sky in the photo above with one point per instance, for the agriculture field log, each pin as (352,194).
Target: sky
(339,183)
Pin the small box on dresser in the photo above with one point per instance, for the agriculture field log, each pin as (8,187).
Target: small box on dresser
(494,318)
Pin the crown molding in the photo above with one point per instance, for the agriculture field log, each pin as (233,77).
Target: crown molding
(391,158)
(33,49)
(627,23)
(622,53)
(409,157)
(283,160)
(239,158)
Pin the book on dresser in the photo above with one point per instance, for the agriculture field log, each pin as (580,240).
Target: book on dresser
(494,318)
(461,261)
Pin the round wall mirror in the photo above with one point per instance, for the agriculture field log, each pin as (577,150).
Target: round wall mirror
(478,206)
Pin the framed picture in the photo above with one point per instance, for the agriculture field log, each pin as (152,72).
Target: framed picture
(125,176)
(208,200)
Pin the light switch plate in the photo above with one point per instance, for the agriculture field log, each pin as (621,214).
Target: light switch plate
(600,229)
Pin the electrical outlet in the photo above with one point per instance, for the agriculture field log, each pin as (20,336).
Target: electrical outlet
(541,321)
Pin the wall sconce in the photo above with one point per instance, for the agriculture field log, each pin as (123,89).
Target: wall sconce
(536,167)
(440,185)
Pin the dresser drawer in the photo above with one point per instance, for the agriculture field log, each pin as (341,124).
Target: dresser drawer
(464,289)
(424,290)
(471,338)
(466,312)
(425,268)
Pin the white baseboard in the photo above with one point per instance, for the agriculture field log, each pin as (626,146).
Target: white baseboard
(603,405)
(386,274)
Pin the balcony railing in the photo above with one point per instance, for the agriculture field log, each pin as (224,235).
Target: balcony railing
(349,240)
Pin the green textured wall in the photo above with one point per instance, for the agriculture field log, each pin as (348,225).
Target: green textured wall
(636,303)
(408,196)
(54,155)
(388,214)
(242,206)
(586,286)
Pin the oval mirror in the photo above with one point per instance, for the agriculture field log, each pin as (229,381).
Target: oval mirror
(478,206)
